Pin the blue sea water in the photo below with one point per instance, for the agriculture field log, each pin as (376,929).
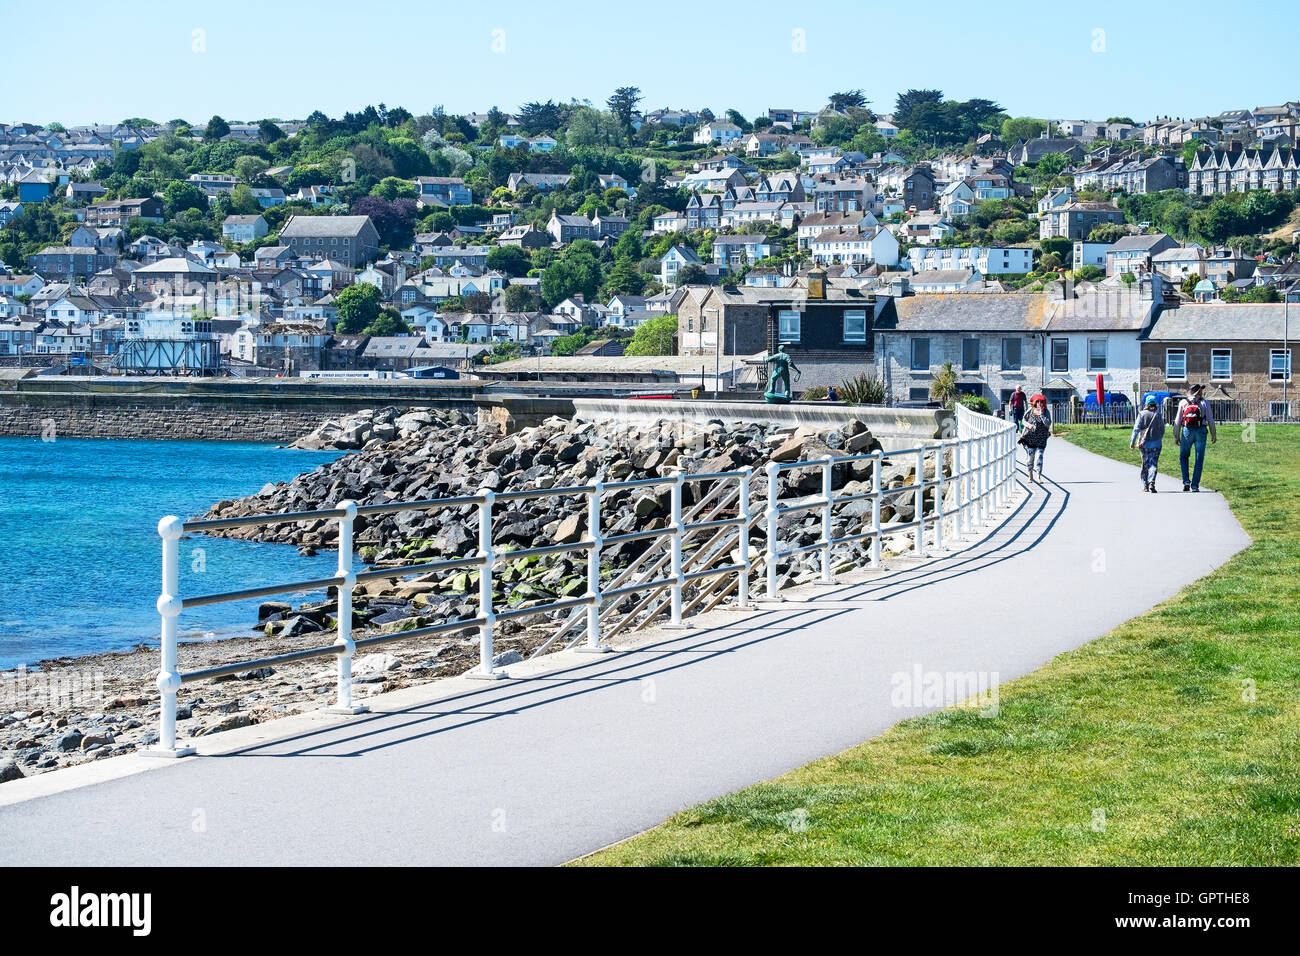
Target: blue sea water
(80,556)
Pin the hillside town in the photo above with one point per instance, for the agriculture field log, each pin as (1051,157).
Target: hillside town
(586,243)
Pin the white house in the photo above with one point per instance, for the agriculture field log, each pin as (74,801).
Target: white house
(847,246)
(244,228)
(427,320)
(674,260)
(946,280)
(1089,254)
(1099,332)
(718,131)
(986,260)
(669,221)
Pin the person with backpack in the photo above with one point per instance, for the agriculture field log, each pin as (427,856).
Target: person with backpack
(1194,423)
(1148,435)
(1017,404)
(1038,428)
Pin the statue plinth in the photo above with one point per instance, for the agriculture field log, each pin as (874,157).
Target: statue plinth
(776,398)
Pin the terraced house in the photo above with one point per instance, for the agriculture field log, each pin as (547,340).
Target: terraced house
(1234,170)
(1239,352)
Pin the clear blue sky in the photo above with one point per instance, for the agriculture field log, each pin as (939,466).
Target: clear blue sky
(284,59)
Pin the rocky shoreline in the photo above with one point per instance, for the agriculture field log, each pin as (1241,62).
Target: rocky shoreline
(74,710)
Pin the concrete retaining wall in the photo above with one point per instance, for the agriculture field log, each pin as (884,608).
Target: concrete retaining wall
(916,422)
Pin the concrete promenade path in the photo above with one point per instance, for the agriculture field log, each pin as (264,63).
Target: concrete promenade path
(583,750)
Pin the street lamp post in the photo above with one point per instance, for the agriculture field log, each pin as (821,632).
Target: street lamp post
(717,351)
(1286,354)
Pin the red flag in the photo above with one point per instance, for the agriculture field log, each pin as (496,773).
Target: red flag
(1101,391)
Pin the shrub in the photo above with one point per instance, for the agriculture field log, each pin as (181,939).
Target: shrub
(976,403)
(862,389)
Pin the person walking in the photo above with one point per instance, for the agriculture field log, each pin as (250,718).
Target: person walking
(1148,435)
(1038,428)
(1017,404)
(1193,423)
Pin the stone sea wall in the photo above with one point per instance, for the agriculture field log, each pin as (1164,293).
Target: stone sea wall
(172,418)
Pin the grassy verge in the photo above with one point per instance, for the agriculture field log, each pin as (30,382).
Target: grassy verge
(1170,740)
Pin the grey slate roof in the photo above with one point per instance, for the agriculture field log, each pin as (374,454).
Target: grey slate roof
(964,312)
(1223,321)
(1140,242)
(301,227)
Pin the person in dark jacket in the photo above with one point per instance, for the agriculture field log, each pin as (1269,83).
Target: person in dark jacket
(1148,436)
(1038,428)
(1017,404)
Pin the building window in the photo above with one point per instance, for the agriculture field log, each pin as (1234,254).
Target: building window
(1176,364)
(788,325)
(1279,365)
(918,395)
(920,355)
(970,355)
(1011,354)
(1060,355)
(855,326)
(1096,355)
(1220,365)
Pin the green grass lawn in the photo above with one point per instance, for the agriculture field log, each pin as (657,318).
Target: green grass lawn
(1181,727)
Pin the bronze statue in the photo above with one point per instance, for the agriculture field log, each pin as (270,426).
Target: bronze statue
(778,382)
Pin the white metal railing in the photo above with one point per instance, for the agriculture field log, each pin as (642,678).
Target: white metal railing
(977,467)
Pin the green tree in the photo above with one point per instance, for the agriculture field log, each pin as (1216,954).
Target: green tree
(654,337)
(624,279)
(179,196)
(518,298)
(388,322)
(577,271)
(249,168)
(216,128)
(1021,127)
(629,246)
(1051,166)
(622,103)
(268,132)
(692,275)
(243,202)
(512,260)
(1108,232)
(845,99)
(391,187)
(359,307)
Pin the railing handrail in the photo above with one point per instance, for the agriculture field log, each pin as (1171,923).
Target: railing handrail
(981,484)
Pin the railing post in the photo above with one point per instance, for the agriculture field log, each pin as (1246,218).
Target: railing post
(920,504)
(593,570)
(827,477)
(940,461)
(877,467)
(170,530)
(983,511)
(1007,450)
(487,629)
(773,520)
(742,586)
(675,592)
(347,580)
(969,479)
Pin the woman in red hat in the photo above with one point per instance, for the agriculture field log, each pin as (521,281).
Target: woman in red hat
(1038,428)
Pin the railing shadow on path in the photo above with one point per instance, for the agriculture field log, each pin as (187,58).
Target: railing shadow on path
(359,735)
